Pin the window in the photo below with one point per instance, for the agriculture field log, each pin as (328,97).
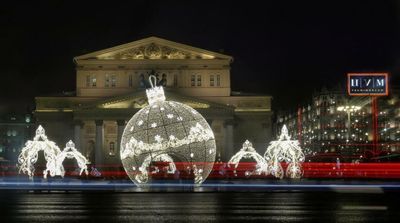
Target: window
(87,80)
(212,80)
(113,80)
(142,81)
(193,81)
(198,80)
(112,149)
(110,80)
(175,80)
(130,80)
(93,81)
(107,82)
(218,80)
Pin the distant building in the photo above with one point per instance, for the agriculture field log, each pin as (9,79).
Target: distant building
(110,88)
(323,129)
(15,130)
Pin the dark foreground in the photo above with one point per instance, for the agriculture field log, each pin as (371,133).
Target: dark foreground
(342,206)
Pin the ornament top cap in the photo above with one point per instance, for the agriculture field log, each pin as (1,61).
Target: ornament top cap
(70,144)
(154,94)
(40,134)
(248,146)
(284,134)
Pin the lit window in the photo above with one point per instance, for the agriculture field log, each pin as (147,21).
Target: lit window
(112,149)
(212,80)
(93,80)
(113,81)
(198,80)
(218,80)
(27,118)
(193,81)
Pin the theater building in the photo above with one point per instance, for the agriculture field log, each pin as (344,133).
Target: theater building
(110,89)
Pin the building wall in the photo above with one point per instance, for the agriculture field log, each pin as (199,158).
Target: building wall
(253,127)
(128,79)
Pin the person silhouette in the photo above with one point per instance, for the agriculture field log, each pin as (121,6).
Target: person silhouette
(163,81)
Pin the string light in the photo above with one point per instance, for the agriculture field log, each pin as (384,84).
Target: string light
(52,154)
(70,152)
(285,150)
(248,152)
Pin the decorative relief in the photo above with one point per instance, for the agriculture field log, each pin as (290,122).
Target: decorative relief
(90,129)
(135,53)
(153,51)
(111,130)
(171,53)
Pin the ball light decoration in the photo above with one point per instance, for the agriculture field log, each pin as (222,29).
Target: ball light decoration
(166,131)
(285,150)
(248,152)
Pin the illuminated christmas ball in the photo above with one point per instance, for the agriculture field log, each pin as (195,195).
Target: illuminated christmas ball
(167,132)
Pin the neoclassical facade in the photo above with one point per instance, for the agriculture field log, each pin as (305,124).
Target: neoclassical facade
(110,89)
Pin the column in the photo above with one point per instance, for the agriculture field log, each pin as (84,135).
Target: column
(121,127)
(77,135)
(229,150)
(99,143)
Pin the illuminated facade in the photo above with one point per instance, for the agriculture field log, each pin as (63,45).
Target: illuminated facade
(327,130)
(110,88)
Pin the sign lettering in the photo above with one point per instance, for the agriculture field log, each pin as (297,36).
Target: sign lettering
(367,84)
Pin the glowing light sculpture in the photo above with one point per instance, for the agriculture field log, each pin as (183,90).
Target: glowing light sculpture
(166,131)
(53,155)
(285,150)
(248,152)
(29,154)
(70,152)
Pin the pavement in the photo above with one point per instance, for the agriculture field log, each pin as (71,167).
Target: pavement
(100,206)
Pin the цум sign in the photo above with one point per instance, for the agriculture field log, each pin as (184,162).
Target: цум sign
(367,84)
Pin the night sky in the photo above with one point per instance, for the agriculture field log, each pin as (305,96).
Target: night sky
(287,50)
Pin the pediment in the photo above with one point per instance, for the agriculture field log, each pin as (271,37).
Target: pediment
(152,48)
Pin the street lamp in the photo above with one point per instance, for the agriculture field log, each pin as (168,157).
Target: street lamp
(348,109)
